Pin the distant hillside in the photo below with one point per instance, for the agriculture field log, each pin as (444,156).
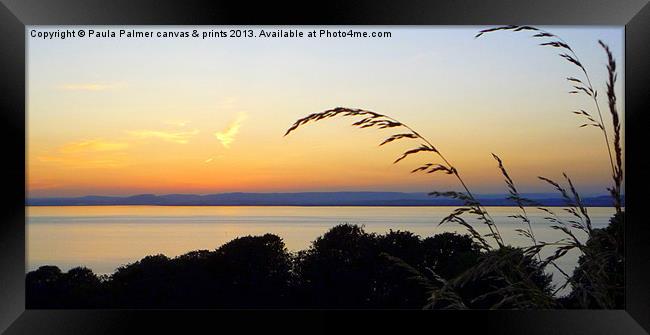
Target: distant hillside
(301,199)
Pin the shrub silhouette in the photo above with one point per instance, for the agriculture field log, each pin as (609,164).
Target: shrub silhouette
(337,271)
(48,287)
(43,288)
(404,245)
(450,254)
(253,271)
(344,268)
(598,281)
(504,278)
(248,272)
(144,284)
(83,287)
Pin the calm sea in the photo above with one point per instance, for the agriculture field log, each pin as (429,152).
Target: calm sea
(105,237)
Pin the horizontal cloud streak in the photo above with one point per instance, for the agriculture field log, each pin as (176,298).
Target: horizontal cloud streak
(90,153)
(180,137)
(87,161)
(93,145)
(177,123)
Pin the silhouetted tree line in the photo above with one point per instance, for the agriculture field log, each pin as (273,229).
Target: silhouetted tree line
(344,268)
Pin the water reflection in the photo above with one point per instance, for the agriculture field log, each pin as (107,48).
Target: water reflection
(105,237)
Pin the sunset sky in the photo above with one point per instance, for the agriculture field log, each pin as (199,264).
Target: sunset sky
(175,115)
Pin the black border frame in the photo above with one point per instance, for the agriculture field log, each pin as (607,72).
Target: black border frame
(15,15)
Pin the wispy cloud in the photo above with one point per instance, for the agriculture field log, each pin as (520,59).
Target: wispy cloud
(177,123)
(180,137)
(213,158)
(91,153)
(93,145)
(90,86)
(227,136)
(87,161)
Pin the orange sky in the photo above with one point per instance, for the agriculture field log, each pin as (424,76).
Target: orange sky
(182,116)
